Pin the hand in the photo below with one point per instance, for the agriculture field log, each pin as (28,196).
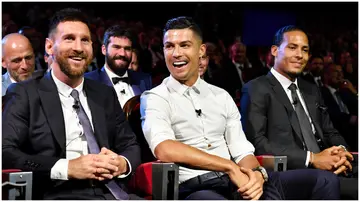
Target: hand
(347,84)
(254,188)
(117,161)
(237,177)
(91,166)
(344,164)
(325,160)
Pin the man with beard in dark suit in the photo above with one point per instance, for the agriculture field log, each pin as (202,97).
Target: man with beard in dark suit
(284,115)
(68,130)
(117,47)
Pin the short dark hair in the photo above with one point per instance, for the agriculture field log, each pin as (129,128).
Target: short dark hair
(65,15)
(118,31)
(183,22)
(279,35)
(315,56)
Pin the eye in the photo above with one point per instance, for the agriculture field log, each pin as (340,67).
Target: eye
(168,46)
(69,38)
(85,40)
(185,45)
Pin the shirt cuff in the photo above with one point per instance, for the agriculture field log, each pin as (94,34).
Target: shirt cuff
(128,173)
(307,159)
(60,170)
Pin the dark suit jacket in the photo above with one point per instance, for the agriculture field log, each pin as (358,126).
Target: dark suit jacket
(140,82)
(34,132)
(270,123)
(340,119)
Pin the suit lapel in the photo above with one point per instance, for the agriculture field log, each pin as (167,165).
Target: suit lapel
(310,102)
(97,113)
(283,98)
(134,81)
(51,104)
(104,78)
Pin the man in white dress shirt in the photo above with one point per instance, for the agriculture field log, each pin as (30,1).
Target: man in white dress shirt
(197,125)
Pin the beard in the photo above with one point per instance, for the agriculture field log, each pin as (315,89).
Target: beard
(67,69)
(18,78)
(117,69)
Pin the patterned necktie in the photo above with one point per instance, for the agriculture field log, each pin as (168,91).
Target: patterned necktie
(305,125)
(94,148)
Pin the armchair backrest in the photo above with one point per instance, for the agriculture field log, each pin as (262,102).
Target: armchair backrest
(132,114)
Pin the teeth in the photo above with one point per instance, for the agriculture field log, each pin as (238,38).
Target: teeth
(76,58)
(179,63)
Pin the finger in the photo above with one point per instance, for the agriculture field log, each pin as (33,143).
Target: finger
(257,197)
(251,195)
(103,150)
(247,171)
(105,165)
(107,176)
(252,180)
(339,163)
(253,191)
(348,165)
(102,171)
(340,170)
(348,155)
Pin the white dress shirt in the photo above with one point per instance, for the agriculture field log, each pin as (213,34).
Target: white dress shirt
(285,83)
(120,87)
(168,113)
(76,144)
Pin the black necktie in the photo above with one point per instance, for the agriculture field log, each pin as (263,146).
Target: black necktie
(116,80)
(305,125)
(117,192)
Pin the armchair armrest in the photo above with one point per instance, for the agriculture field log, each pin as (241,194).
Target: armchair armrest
(156,180)
(274,163)
(16,184)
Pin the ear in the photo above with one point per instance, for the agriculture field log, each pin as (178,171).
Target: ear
(274,50)
(202,50)
(49,46)
(3,63)
(103,49)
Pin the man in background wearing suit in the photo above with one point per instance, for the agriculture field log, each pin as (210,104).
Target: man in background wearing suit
(284,115)
(18,58)
(69,131)
(117,48)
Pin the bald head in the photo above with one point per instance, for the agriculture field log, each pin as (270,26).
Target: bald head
(18,56)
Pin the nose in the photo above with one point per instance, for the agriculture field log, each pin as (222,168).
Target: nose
(78,45)
(177,52)
(299,53)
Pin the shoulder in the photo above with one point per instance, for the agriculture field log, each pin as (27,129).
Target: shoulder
(138,74)
(93,74)
(259,83)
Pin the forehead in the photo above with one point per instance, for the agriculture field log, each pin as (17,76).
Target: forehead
(119,40)
(73,27)
(296,37)
(17,48)
(179,35)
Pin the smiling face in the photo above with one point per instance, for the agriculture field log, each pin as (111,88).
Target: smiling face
(71,47)
(182,51)
(292,54)
(118,54)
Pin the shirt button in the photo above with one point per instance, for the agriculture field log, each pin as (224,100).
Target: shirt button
(209,145)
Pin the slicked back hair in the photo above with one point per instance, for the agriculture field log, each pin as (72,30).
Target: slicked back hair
(279,35)
(183,22)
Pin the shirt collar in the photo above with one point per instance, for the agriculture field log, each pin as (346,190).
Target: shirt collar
(331,89)
(64,89)
(112,74)
(7,75)
(200,86)
(285,82)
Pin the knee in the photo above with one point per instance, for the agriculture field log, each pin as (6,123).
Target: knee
(329,180)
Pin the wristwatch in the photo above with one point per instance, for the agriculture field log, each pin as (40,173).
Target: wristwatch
(262,171)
